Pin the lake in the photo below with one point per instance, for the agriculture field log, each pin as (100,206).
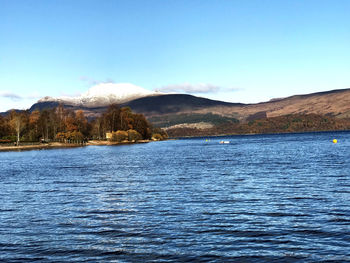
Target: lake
(261,198)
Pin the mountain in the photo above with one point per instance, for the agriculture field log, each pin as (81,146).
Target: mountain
(334,103)
(153,105)
(103,94)
(172,110)
(166,109)
(174,103)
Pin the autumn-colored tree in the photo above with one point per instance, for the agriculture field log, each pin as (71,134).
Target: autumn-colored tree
(126,118)
(82,123)
(76,136)
(34,125)
(64,124)
(43,124)
(54,123)
(5,128)
(70,123)
(111,118)
(142,126)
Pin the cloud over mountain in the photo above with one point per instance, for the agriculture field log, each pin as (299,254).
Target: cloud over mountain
(190,88)
(104,94)
(201,88)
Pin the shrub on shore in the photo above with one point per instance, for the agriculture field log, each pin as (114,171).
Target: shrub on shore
(134,135)
(74,135)
(157,137)
(119,136)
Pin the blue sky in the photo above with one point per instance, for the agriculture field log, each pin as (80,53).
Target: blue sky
(239,51)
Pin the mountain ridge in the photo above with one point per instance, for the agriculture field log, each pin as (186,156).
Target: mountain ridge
(165,107)
(103,94)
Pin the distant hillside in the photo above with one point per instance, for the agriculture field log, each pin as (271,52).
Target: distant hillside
(174,103)
(281,124)
(150,106)
(45,105)
(172,110)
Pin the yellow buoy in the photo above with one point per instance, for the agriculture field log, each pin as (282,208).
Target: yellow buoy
(335,140)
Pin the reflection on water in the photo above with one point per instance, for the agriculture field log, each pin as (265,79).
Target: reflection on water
(257,199)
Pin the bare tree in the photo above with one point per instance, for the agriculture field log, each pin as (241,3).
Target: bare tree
(18,123)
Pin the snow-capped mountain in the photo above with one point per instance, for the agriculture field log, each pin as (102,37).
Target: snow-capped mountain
(104,94)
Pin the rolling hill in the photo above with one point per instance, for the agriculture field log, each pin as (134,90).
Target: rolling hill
(171,110)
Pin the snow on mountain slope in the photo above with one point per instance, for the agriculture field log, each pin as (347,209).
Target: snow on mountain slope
(104,94)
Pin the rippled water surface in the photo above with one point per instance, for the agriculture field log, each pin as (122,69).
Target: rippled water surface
(283,198)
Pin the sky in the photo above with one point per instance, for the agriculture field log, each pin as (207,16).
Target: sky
(233,50)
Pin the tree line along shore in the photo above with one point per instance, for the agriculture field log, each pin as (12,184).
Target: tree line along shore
(61,127)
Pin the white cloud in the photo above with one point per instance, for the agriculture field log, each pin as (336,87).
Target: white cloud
(88,80)
(91,81)
(190,88)
(10,95)
(16,97)
(10,100)
(203,88)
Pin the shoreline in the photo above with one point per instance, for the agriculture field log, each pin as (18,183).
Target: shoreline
(253,134)
(59,145)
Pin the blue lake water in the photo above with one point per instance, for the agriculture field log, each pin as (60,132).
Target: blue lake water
(261,198)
